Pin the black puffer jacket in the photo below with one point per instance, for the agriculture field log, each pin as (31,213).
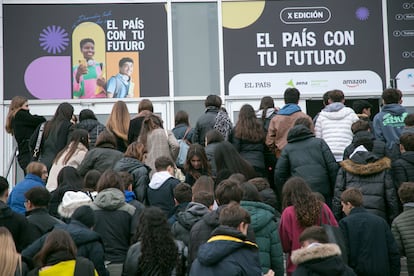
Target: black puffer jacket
(204,124)
(379,148)
(93,127)
(202,231)
(320,259)
(140,173)
(309,158)
(403,168)
(101,158)
(372,176)
(89,244)
(131,264)
(252,152)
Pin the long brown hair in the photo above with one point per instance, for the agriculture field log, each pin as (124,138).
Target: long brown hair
(136,150)
(150,122)
(297,193)
(118,120)
(265,103)
(16,104)
(57,240)
(79,136)
(199,151)
(9,258)
(63,113)
(248,127)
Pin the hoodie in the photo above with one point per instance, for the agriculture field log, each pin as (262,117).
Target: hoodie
(160,191)
(115,222)
(389,123)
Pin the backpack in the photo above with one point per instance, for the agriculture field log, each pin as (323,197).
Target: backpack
(223,123)
(184,146)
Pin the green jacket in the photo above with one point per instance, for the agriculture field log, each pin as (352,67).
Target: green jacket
(267,237)
(402,230)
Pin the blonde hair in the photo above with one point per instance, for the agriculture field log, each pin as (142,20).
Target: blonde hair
(16,104)
(9,258)
(118,121)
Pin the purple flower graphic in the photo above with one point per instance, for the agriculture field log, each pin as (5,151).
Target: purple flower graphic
(362,13)
(54,39)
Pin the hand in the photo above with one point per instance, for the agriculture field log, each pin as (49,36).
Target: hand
(270,273)
(101,82)
(82,70)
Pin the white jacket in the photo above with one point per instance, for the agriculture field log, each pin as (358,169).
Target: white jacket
(74,161)
(334,126)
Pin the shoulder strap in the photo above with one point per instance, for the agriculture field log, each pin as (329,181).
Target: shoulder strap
(39,139)
(186,132)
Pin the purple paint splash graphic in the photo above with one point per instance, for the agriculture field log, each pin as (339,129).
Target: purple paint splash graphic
(362,13)
(54,39)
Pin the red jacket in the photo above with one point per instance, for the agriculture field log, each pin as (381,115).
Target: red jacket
(290,230)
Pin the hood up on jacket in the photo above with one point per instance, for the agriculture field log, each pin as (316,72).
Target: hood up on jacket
(224,241)
(365,163)
(299,133)
(158,179)
(110,199)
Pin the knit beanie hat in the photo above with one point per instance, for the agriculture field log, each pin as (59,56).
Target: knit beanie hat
(85,215)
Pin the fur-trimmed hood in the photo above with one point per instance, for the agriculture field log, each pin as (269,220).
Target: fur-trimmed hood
(317,251)
(367,168)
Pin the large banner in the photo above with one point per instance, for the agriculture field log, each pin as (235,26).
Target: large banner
(85,51)
(401,43)
(312,45)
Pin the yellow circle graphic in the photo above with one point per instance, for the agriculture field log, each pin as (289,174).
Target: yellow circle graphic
(237,15)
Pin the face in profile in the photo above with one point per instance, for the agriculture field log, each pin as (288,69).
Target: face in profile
(25,106)
(88,50)
(127,68)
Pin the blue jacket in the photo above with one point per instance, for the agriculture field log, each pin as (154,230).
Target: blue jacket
(389,123)
(227,253)
(16,198)
(372,249)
